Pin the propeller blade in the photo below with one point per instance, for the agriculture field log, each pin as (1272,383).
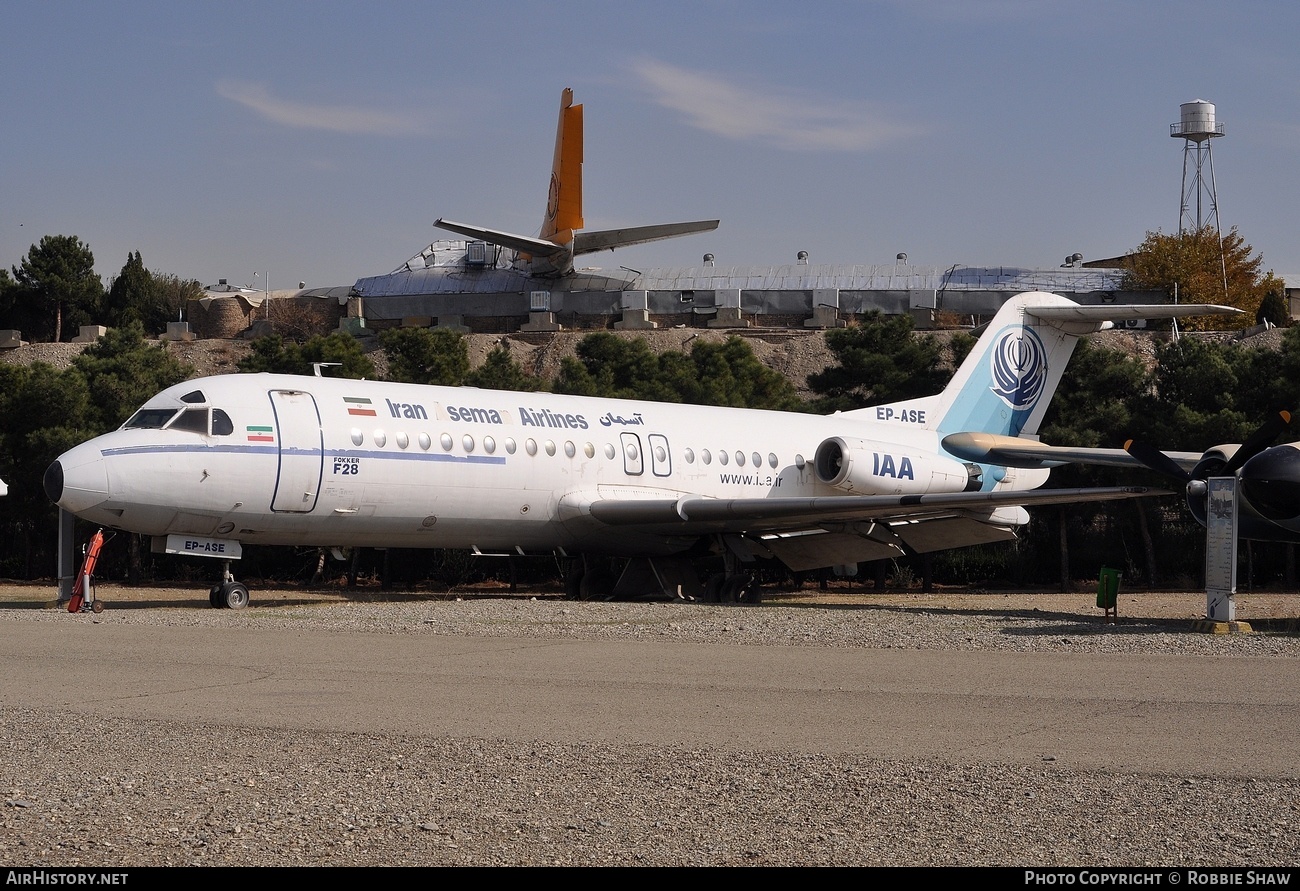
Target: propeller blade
(1154,459)
(1257,441)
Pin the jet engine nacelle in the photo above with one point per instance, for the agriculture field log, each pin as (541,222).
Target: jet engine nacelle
(865,467)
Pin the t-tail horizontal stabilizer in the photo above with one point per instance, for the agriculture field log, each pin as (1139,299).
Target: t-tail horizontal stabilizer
(542,257)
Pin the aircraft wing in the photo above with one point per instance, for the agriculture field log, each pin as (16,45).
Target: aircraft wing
(692,514)
(1016,451)
(608,239)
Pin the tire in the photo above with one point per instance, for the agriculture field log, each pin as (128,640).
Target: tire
(713,588)
(597,584)
(234,595)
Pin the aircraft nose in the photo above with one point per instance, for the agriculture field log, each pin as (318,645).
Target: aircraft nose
(77,480)
(1270,481)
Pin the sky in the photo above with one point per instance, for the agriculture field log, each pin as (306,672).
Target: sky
(271,143)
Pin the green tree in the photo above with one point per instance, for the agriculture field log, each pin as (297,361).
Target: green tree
(1199,268)
(729,373)
(276,355)
(43,412)
(726,373)
(500,371)
(58,278)
(880,360)
(136,294)
(1198,395)
(612,366)
(1096,406)
(1273,310)
(121,371)
(426,355)
(337,349)
(8,292)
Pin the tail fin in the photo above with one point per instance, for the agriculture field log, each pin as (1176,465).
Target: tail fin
(552,252)
(564,198)
(1004,386)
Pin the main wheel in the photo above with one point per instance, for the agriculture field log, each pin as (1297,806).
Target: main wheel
(740,588)
(597,584)
(733,590)
(234,595)
(713,588)
(573,581)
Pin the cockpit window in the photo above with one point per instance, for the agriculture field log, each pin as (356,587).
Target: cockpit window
(221,424)
(193,419)
(150,419)
(194,397)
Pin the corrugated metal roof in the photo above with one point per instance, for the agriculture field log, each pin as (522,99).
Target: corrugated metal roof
(793,277)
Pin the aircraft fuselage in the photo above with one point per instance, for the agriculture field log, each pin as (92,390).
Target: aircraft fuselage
(292,460)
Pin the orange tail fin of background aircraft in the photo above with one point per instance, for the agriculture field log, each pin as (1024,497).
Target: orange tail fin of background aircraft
(551,253)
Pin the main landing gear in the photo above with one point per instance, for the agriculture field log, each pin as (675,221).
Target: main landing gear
(659,578)
(740,587)
(228,594)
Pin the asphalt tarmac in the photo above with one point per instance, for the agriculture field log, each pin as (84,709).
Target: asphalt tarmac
(1144,712)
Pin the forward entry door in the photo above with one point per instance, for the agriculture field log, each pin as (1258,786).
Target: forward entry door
(302,456)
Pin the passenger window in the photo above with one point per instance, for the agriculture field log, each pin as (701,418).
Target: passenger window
(402,439)
(740,459)
(690,456)
(550,447)
(771,460)
(569,449)
(758,459)
(706,456)
(425,442)
(722,458)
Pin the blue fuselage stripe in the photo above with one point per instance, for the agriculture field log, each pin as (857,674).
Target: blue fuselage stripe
(432,457)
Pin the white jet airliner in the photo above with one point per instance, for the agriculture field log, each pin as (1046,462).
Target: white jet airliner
(212,464)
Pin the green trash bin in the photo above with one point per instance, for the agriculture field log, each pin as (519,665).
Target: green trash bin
(1107,588)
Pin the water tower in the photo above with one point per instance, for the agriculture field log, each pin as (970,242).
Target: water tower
(1197,128)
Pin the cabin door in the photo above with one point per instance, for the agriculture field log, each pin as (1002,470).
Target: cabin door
(302,457)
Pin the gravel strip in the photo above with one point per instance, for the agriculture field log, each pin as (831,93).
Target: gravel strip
(151,793)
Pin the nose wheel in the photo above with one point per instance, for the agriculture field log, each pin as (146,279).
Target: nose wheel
(228,594)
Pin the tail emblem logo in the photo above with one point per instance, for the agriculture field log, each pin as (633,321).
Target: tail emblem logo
(1019,369)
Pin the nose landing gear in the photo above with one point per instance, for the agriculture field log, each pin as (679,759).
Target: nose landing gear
(228,593)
